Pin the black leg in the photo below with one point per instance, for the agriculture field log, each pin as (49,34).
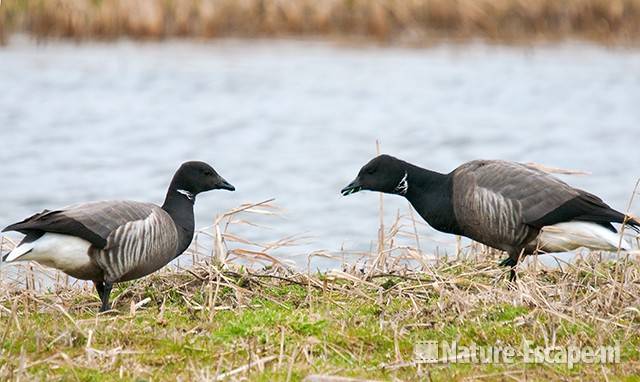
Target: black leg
(99,288)
(510,262)
(105,297)
(104,291)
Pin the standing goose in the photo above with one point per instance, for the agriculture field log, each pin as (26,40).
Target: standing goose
(504,205)
(114,241)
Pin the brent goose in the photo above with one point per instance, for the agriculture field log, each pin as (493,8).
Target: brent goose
(502,204)
(113,241)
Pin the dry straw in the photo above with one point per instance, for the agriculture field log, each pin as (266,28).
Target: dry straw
(600,299)
(593,302)
(383,20)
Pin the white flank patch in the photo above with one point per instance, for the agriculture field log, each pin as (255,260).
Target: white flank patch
(63,252)
(568,236)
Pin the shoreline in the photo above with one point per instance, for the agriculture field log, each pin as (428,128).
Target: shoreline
(417,23)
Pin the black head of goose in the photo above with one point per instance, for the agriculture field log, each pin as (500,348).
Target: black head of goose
(506,205)
(113,241)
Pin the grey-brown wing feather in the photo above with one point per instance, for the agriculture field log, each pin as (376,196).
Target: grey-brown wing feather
(138,247)
(494,200)
(93,221)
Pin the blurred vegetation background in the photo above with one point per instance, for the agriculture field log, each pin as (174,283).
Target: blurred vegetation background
(388,21)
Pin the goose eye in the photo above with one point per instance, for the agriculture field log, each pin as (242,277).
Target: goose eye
(370,171)
(208,173)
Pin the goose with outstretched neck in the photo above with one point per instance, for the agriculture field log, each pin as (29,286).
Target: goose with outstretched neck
(506,205)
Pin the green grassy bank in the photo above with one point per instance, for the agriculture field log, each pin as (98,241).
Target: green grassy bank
(203,324)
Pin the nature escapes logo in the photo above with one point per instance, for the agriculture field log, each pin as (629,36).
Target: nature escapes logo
(452,352)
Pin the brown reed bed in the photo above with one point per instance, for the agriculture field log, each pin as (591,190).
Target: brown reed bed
(411,21)
(237,311)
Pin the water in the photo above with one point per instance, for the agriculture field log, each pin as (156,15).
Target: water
(296,120)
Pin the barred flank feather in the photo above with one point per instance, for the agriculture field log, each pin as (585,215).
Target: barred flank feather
(139,247)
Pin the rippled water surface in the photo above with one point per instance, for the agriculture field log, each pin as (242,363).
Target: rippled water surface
(296,120)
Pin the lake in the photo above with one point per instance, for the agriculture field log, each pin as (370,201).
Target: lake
(295,120)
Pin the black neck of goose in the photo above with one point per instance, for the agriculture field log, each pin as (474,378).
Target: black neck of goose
(179,205)
(431,195)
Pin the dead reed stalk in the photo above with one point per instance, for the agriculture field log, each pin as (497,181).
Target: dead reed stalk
(382,20)
(311,322)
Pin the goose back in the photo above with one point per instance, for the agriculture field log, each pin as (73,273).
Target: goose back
(93,221)
(494,200)
(128,239)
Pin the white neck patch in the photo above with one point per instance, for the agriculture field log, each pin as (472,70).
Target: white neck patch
(403,186)
(186,193)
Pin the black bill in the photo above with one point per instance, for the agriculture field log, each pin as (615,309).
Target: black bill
(352,188)
(226,186)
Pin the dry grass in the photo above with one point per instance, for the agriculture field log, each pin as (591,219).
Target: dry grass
(264,320)
(413,21)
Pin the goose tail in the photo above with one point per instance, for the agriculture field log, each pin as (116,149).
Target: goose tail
(632,222)
(567,236)
(24,247)
(18,252)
